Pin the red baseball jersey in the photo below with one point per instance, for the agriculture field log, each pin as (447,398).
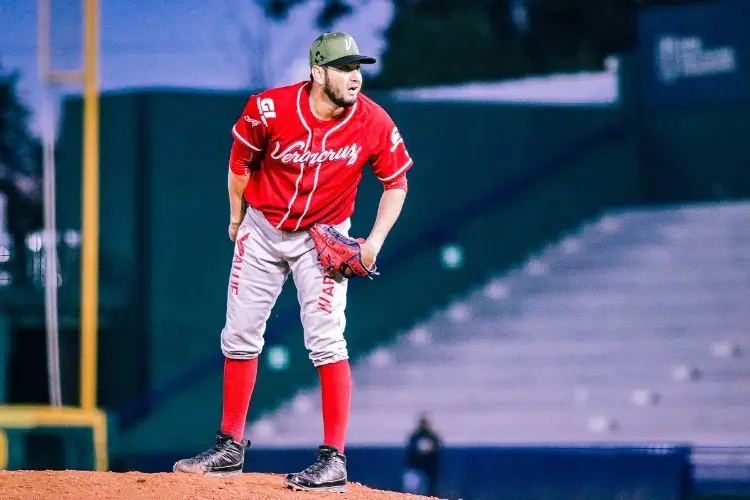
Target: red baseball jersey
(308,170)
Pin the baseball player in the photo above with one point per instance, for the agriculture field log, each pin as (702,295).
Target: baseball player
(297,157)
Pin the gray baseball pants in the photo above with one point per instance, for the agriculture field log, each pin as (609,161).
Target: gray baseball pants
(263,259)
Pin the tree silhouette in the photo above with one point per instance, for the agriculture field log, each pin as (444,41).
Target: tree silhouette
(20,160)
(17,146)
(332,10)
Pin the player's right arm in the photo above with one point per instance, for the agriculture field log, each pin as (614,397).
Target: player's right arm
(239,175)
(249,139)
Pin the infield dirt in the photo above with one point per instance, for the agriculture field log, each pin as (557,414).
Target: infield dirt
(75,485)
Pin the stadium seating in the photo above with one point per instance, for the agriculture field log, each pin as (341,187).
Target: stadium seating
(635,329)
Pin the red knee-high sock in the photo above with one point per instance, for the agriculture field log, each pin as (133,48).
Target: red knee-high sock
(239,381)
(336,393)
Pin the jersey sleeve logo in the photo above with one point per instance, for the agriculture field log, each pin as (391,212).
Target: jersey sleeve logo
(266,109)
(395,139)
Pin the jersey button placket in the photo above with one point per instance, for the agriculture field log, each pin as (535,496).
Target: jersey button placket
(290,233)
(315,143)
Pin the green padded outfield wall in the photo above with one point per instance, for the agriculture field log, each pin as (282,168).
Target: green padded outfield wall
(122,367)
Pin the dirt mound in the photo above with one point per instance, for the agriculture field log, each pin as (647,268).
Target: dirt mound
(69,485)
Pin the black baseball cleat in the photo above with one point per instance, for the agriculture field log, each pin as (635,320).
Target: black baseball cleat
(328,473)
(225,458)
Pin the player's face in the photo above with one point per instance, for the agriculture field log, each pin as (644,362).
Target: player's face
(342,84)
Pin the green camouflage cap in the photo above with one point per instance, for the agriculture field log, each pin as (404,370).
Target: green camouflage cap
(336,49)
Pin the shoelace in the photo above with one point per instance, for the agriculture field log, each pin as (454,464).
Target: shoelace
(319,464)
(219,448)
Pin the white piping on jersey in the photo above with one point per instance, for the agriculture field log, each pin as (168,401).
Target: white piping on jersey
(325,137)
(302,165)
(406,165)
(317,170)
(309,198)
(238,136)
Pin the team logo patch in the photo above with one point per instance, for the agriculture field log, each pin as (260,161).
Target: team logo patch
(266,109)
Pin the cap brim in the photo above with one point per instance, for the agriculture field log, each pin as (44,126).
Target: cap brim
(350,59)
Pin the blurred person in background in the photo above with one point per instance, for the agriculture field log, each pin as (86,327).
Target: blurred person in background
(422,450)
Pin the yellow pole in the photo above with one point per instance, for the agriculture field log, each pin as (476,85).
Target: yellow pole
(3,450)
(90,223)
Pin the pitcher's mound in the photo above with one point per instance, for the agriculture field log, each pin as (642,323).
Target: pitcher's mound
(70,485)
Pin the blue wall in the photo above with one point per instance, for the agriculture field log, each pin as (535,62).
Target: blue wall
(514,473)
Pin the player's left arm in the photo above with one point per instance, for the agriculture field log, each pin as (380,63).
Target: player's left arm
(390,162)
(389,210)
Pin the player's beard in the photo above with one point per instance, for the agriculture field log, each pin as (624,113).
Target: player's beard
(338,100)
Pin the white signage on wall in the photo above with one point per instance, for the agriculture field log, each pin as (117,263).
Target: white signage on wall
(686,57)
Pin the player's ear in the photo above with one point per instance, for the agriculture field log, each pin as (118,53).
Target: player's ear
(317,73)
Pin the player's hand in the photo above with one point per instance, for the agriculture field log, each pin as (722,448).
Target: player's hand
(369,253)
(233,228)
